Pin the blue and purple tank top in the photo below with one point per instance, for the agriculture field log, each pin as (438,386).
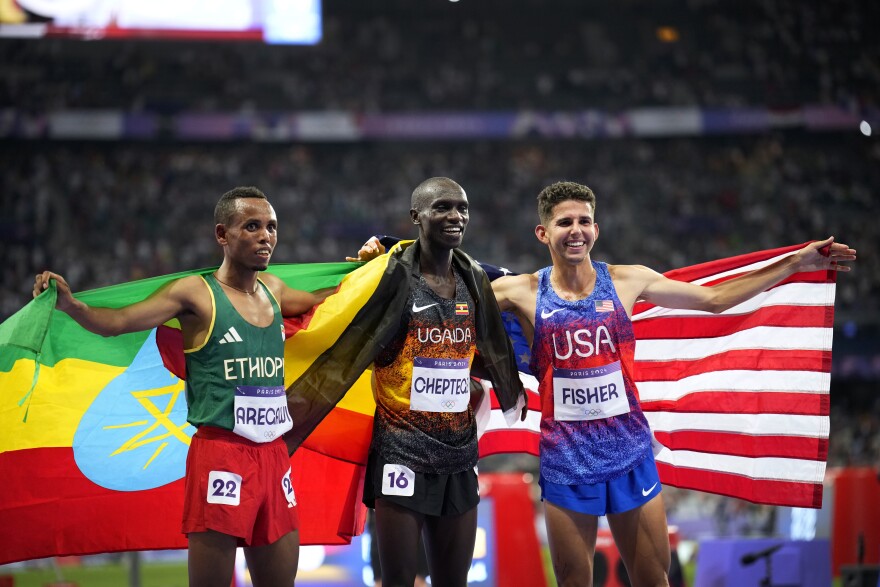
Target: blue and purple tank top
(592,427)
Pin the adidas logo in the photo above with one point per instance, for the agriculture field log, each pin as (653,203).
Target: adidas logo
(231,336)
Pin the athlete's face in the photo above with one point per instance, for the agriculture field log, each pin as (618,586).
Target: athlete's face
(249,238)
(443,218)
(570,233)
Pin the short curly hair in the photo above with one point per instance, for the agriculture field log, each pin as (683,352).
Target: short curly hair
(225,208)
(562,191)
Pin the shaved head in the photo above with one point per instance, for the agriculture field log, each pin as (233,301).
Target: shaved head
(430,189)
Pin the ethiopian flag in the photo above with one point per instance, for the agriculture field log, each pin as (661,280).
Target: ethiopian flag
(93,430)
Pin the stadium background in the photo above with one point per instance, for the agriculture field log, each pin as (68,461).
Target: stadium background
(106,206)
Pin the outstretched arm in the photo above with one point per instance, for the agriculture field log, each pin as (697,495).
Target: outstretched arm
(294,301)
(170,301)
(640,283)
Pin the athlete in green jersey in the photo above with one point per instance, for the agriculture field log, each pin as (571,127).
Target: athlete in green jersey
(246,229)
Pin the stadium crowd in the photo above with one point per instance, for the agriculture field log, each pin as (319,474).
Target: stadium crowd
(486,55)
(114,212)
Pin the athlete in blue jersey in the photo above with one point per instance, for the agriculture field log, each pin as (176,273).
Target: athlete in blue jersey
(596,456)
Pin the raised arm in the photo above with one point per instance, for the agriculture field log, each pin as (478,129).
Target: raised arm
(171,300)
(640,283)
(369,250)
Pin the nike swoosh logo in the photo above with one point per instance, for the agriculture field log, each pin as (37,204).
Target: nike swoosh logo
(417,309)
(545,315)
(647,492)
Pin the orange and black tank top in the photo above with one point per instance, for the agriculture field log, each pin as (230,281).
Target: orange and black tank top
(422,383)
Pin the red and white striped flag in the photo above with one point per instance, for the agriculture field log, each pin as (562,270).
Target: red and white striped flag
(738,402)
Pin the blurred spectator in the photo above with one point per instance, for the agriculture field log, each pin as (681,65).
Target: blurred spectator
(399,55)
(115,212)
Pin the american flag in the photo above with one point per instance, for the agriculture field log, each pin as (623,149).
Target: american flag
(604,306)
(738,402)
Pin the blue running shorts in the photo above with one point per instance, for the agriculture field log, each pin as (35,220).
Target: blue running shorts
(625,493)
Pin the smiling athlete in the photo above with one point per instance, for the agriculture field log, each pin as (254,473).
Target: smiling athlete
(596,455)
(421,473)
(237,490)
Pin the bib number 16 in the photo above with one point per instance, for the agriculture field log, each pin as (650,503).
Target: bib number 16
(398,480)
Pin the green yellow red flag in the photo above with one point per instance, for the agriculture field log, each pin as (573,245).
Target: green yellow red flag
(94,432)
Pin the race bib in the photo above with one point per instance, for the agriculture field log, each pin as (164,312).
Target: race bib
(224,488)
(589,394)
(440,385)
(261,413)
(398,480)
(287,488)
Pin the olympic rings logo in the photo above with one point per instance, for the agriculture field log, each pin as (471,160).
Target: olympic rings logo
(448,404)
(592,412)
(269,434)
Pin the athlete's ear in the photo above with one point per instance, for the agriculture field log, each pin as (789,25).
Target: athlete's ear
(220,235)
(596,228)
(541,233)
(414,215)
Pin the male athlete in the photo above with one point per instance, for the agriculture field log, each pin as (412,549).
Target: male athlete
(596,456)
(237,490)
(440,320)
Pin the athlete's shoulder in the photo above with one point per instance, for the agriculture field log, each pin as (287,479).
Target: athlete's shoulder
(516,281)
(267,277)
(189,287)
(194,293)
(628,272)
(516,292)
(631,281)
(272,281)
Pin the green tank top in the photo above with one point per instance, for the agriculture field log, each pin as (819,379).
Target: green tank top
(235,380)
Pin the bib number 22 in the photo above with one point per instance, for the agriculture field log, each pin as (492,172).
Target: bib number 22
(224,488)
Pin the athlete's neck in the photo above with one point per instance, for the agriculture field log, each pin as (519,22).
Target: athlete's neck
(437,271)
(244,282)
(573,282)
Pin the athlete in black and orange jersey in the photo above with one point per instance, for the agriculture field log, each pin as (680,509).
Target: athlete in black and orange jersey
(422,384)
(421,474)
(238,488)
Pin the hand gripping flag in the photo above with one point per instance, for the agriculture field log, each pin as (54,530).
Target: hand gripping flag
(738,402)
(93,432)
